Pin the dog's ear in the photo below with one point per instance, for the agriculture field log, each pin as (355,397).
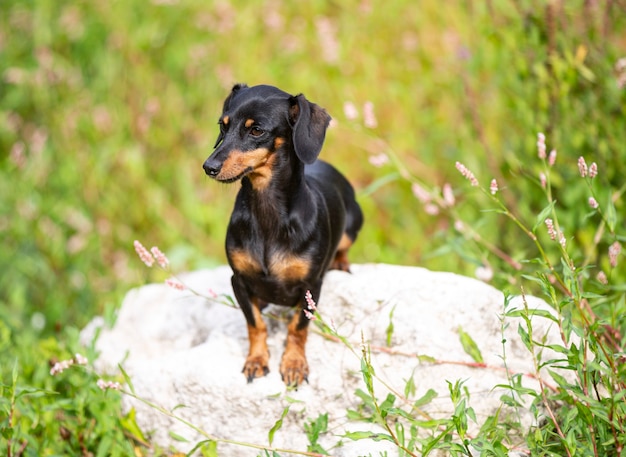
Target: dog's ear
(309,123)
(236,88)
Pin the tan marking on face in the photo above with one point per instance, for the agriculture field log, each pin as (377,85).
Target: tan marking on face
(243,262)
(225,120)
(287,267)
(262,175)
(278,142)
(249,123)
(240,163)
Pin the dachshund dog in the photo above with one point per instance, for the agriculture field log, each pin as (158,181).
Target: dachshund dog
(294,217)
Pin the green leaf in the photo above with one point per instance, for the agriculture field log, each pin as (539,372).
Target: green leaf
(525,337)
(129,423)
(426,358)
(127,379)
(585,413)
(425,399)
(178,437)
(560,380)
(289,399)
(208,448)
(277,425)
(230,301)
(470,347)
(409,386)
(314,427)
(586,72)
(104,447)
(386,405)
(14,377)
(5,336)
(390,328)
(355,436)
(179,406)
(373,187)
(611,214)
(543,215)
(368,372)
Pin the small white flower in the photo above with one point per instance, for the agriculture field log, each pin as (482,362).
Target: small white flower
(484,273)
(494,187)
(104,385)
(80,359)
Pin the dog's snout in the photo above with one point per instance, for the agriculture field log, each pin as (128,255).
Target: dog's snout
(212,168)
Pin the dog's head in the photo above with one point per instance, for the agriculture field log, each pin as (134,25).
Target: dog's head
(258,122)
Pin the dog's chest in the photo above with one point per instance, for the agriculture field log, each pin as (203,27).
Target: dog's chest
(275,264)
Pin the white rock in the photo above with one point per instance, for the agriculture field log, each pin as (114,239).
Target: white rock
(182,349)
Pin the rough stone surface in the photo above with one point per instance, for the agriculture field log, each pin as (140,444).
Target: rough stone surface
(182,349)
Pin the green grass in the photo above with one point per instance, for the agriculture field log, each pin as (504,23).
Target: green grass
(108,110)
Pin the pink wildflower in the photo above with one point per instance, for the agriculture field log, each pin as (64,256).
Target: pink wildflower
(350,111)
(602,279)
(309,315)
(484,273)
(104,385)
(593,170)
(175,284)
(494,187)
(593,203)
(160,257)
(61,366)
(551,231)
(379,160)
(552,157)
(448,195)
(541,145)
(420,193)
(369,117)
(562,239)
(543,180)
(614,251)
(431,209)
(467,174)
(80,359)
(143,254)
(582,166)
(309,301)
(327,36)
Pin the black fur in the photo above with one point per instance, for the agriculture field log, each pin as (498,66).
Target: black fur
(292,210)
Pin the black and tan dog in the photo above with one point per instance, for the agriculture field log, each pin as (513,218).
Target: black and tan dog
(294,217)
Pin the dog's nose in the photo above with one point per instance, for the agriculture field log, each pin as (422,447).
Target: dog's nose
(212,168)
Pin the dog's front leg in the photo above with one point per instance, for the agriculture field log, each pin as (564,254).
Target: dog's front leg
(294,368)
(257,362)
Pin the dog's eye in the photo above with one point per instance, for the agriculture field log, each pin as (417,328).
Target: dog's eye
(255,131)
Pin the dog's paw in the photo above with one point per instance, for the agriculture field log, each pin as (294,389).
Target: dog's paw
(255,367)
(294,368)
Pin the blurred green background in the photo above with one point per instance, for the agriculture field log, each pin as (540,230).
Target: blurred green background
(108,110)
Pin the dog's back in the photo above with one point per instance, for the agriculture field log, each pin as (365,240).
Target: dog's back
(326,177)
